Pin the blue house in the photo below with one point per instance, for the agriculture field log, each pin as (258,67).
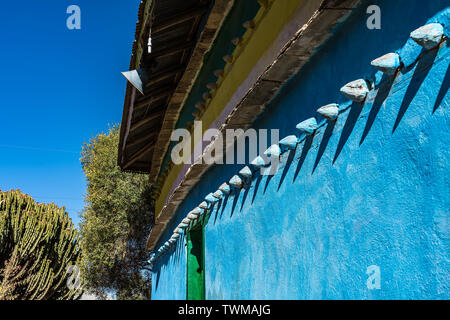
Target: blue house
(348,194)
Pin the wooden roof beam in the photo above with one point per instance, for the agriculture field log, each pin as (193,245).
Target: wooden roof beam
(152,97)
(141,139)
(146,120)
(138,155)
(179,18)
(164,74)
(172,49)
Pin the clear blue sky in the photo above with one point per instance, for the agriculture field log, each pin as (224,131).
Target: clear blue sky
(58,88)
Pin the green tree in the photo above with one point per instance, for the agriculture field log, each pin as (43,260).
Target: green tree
(38,245)
(115,223)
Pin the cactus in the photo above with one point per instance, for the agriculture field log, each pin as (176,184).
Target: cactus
(38,242)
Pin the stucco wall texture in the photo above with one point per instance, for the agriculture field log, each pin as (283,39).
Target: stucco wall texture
(370,189)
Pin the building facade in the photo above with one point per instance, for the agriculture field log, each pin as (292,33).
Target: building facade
(354,95)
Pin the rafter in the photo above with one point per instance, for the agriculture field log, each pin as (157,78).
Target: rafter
(152,97)
(146,120)
(141,139)
(138,155)
(170,50)
(164,74)
(179,18)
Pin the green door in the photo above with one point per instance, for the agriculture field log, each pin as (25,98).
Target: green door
(195,264)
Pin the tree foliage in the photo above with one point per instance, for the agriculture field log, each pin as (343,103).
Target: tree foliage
(115,222)
(38,244)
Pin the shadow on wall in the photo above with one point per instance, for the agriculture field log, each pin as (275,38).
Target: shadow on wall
(425,62)
(172,257)
(342,58)
(421,68)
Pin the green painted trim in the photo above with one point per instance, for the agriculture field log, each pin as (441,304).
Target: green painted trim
(195,275)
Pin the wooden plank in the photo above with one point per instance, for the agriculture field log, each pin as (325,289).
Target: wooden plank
(164,74)
(179,18)
(138,155)
(172,49)
(152,97)
(146,120)
(141,139)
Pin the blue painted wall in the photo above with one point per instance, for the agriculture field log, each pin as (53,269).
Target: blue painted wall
(371,189)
